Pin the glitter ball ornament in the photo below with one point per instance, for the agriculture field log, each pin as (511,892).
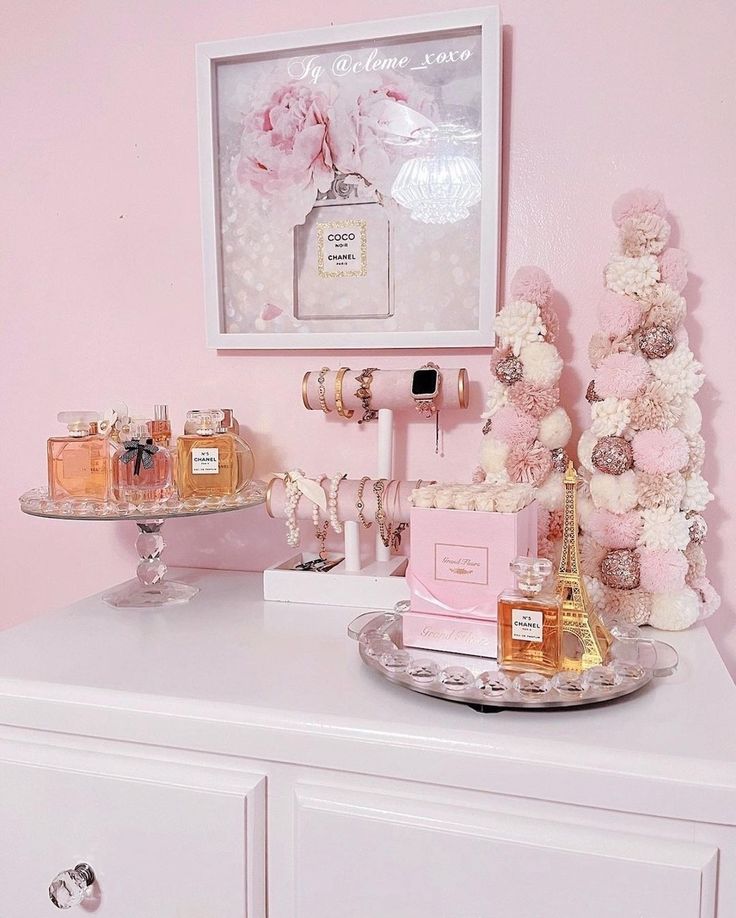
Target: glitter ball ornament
(620,569)
(612,455)
(509,370)
(591,395)
(559,460)
(698,528)
(656,342)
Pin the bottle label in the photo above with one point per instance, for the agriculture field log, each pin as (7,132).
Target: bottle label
(527,625)
(205,460)
(342,248)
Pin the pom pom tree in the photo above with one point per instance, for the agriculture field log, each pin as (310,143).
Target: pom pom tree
(643,454)
(526,432)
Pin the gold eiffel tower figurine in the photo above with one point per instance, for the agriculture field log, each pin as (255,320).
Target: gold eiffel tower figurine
(585,640)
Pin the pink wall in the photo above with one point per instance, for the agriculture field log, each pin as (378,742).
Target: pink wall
(101,271)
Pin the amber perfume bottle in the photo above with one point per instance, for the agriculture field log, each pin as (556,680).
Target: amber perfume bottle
(141,470)
(160,427)
(78,464)
(211,463)
(529,621)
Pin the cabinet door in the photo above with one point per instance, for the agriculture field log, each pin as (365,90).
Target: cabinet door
(364,854)
(163,840)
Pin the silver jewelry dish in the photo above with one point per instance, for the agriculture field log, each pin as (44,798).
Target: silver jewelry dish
(478,682)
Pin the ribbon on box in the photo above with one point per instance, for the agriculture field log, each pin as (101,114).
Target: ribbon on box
(422,591)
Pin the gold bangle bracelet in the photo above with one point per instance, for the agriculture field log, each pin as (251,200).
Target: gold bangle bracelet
(321,390)
(269,511)
(463,387)
(360,503)
(339,404)
(305,390)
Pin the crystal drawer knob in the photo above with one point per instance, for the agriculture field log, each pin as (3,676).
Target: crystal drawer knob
(70,886)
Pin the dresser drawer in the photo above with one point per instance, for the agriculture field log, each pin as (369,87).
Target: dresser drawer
(372,854)
(164,840)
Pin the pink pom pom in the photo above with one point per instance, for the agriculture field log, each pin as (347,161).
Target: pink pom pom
(479,476)
(614,530)
(673,268)
(621,375)
(660,451)
(618,315)
(528,464)
(551,323)
(708,596)
(532,285)
(638,201)
(513,427)
(662,571)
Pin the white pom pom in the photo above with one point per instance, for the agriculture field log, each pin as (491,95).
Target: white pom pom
(542,363)
(691,418)
(586,507)
(551,493)
(493,455)
(617,493)
(555,429)
(675,611)
(586,444)
(697,493)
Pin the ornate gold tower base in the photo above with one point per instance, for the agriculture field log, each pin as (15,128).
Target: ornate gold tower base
(585,640)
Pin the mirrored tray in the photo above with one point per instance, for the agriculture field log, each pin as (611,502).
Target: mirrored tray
(478,682)
(150,588)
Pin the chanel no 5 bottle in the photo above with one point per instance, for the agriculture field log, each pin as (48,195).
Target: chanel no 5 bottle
(78,463)
(141,470)
(529,621)
(211,463)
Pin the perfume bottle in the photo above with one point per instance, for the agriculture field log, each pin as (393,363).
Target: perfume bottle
(78,464)
(228,424)
(529,621)
(211,463)
(160,427)
(142,471)
(345,236)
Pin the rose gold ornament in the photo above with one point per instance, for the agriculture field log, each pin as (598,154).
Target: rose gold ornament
(698,528)
(613,455)
(559,459)
(620,569)
(591,394)
(656,342)
(509,370)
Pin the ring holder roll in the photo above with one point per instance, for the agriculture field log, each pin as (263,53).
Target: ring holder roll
(395,502)
(389,389)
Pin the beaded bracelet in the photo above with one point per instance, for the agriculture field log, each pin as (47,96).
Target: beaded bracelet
(332,503)
(320,530)
(293,493)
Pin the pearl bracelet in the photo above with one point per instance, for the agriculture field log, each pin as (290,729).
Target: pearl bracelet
(293,493)
(332,503)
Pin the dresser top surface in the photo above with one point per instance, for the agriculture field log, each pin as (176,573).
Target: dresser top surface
(229,655)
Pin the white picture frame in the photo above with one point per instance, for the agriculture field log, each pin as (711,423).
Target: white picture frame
(485,25)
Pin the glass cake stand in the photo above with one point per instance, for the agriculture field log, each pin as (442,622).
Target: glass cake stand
(150,588)
(479,683)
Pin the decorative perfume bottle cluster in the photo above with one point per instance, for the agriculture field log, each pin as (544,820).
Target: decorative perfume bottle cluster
(132,460)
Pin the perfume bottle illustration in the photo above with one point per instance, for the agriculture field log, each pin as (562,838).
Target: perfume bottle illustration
(210,462)
(141,469)
(529,620)
(78,463)
(342,255)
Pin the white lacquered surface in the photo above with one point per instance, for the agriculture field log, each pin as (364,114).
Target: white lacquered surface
(283,682)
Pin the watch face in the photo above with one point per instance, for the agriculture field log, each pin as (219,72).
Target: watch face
(424,383)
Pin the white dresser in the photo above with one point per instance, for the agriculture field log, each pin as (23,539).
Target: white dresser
(233,758)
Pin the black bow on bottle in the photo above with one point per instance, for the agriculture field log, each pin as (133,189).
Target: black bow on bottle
(142,453)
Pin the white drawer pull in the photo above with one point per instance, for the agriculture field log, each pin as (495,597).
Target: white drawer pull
(70,886)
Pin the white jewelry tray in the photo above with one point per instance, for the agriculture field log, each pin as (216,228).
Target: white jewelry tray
(477,681)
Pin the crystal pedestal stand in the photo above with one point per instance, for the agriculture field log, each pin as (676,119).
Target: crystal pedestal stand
(150,589)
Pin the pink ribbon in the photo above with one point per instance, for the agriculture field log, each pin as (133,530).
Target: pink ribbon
(421,590)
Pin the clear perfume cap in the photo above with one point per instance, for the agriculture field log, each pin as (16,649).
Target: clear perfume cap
(135,429)
(79,423)
(531,573)
(205,423)
(160,412)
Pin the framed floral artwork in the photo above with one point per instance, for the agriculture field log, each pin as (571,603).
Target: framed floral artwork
(350,184)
